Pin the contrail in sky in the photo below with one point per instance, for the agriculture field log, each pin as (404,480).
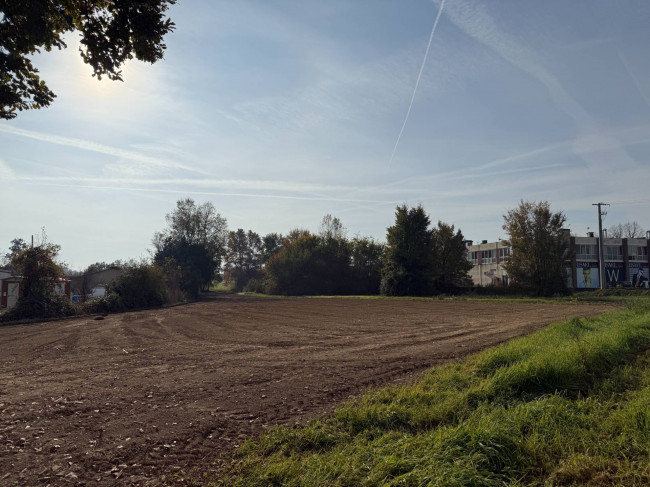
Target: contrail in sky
(417,82)
(217,193)
(99,148)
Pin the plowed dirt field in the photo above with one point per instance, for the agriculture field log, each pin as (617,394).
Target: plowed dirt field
(147,398)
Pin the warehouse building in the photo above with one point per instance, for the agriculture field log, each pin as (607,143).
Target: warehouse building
(487,259)
(626,262)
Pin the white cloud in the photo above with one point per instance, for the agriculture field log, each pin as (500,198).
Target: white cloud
(6,173)
(99,148)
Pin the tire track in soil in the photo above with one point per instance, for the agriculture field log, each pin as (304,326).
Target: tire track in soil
(141,396)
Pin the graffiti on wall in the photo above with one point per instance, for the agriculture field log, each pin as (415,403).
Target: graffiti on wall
(614,273)
(638,273)
(588,276)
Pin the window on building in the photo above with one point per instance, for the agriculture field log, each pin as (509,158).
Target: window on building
(487,257)
(504,253)
(638,253)
(613,252)
(472,257)
(586,252)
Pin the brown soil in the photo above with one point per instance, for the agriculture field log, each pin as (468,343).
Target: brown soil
(152,397)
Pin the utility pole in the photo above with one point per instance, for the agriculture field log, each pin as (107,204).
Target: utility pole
(601,246)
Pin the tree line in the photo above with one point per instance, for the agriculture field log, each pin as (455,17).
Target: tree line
(196,250)
(415,260)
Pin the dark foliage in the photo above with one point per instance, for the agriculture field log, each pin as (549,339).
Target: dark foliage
(112,32)
(298,268)
(420,261)
(195,237)
(367,258)
(409,258)
(254,286)
(271,243)
(40,275)
(450,260)
(17,246)
(110,303)
(39,269)
(197,268)
(243,258)
(31,307)
(141,285)
(324,264)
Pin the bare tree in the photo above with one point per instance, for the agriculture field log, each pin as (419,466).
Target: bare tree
(615,231)
(632,230)
(332,228)
(626,230)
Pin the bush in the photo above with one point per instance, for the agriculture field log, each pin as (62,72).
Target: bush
(142,285)
(110,303)
(41,274)
(33,307)
(310,264)
(254,286)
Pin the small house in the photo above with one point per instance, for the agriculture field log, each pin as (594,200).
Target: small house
(11,289)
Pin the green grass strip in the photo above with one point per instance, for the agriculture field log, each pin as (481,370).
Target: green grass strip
(568,405)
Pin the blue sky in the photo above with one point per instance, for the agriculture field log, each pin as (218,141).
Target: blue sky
(281,112)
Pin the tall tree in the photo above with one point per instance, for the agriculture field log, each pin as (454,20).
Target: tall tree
(17,246)
(367,257)
(451,265)
(197,267)
(112,32)
(271,243)
(626,230)
(539,245)
(291,269)
(191,227)
(243,257)
(295,235)
(331,228)
(40,273)
(310,264)
(40,270)
(332,257)
(409,257)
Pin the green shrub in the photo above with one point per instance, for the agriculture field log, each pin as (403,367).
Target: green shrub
(36,307)
(254,286)
(110,303)
(141,285)
(41,273)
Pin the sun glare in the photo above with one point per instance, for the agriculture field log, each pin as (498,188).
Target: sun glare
(94,87)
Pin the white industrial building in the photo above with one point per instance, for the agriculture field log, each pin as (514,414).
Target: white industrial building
(626,262)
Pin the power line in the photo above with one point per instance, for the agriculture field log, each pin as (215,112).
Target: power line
(632,202)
